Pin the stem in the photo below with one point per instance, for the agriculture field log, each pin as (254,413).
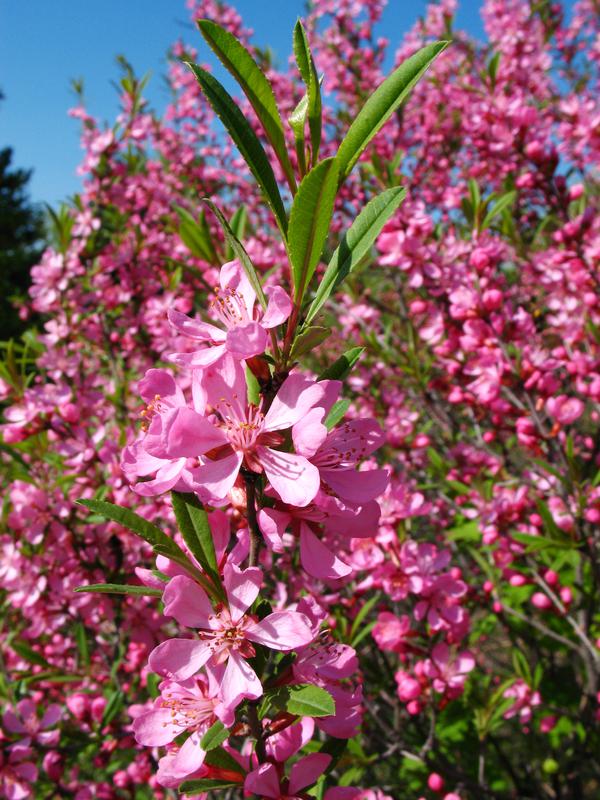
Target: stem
(253,529)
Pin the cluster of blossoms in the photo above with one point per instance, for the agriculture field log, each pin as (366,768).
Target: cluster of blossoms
(218,447)
(467,590)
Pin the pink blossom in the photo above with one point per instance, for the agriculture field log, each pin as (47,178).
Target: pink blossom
(24,720)
(265,780)
(226,634)
(16,774)
(448,675)
(565,410)
(245,333)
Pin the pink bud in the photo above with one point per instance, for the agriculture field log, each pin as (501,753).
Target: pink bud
(98,706)
(541,601)
(551,577)
(435,782)
(566,595)
(517,580)
(78,705)
(547,724)
(53,765)
(576,191)
(121,779)
(497,607)
(488,587)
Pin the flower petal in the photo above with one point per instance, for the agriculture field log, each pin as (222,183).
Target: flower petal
(186,434)
(263,782)
(239,681)
(297,395)
(202,357)
(282,630)
(193,328)
(187,602)
(242,587)
(155,728)
(278,309)
(245,341)
(166,477)
(293,477)
(179,658)
(306,771)
(355,486)
(189,757)
(218,477)
(317,559)
(162,383)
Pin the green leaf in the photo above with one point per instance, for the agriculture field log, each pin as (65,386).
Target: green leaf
(308,339)
(503,202)
(382,103)
(28,653)
(196,236)
(206,785)
(342,366)
(469,532)
(161,543)
(304,700)
(130,520)
(214,736)
(82,644)
(239,223)
(336,413)
(114,705)
(255,85)
(356,243)
(309,222)
(222,759)
(308,71)
(119,588)
(245,139)
(193,523)
(362,614)
(297,121)
(239,252)
(252,387)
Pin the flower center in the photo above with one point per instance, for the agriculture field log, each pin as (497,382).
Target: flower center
(243,430)
(154,407)
(230,307)
(187,711)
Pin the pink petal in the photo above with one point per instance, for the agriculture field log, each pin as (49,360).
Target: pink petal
(263,782)
(245,341)
(193,328)
(165,479)
(162,383)
(189,757)
(356,486)
(239,681)
(12,723)
(317,559)
(293,477)
(186,434)
(272,524)
(286,743)
(242,587)
(179,658)
(310,433)
(297,395)
(202,357)
(136,462)
(278,308)
(218,477)
(51,716)
(307,770)
(282,630)
(187,602)
(155,728)
(224,385)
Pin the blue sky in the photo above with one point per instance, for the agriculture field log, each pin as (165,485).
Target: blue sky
(46,43)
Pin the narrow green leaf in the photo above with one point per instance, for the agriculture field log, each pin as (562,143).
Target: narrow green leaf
(130,520)
(355,244)
(503,202)
(214,736)
(336,413)
(119,588)
(382,103)
(308,71)
(255,85)
(309,222)
(238,251)
(114,705)
(222,759)
(193,523)
(297,121)
(308,339)
(245,139)
(238,225)
(82,644)
(252,387)
(341,368)
(362,614)
(28,653)
(196,236)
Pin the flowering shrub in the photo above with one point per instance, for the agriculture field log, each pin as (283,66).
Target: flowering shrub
(348,536)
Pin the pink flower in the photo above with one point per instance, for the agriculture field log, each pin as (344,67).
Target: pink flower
(16,774)
(245,333)
(265,781)
(238,433)
(392,632)
(186,706)
(25,720)
(525,700)
(226,634)
(448,675)
(565,410)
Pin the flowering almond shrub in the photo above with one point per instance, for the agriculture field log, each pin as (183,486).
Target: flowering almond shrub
(301,467)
